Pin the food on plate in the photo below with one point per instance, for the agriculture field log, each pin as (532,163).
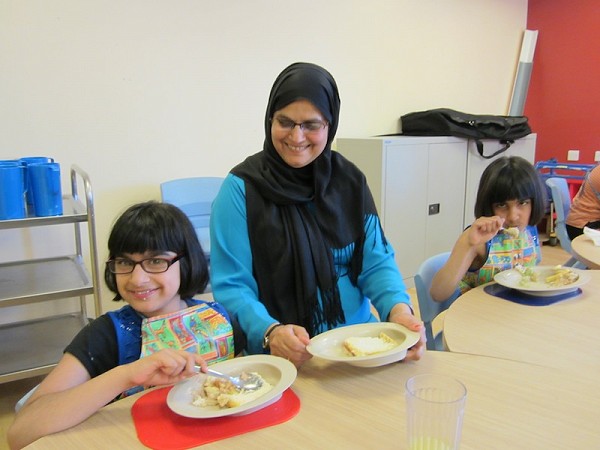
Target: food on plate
(512,232)
(528,275)
(217,391)
(367,345)
(562,276)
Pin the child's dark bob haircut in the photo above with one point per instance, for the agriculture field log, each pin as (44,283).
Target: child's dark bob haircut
(159,227)
(511,178)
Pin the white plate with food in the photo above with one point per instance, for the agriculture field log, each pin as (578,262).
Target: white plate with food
(543,281)
(364,345)
(189,398)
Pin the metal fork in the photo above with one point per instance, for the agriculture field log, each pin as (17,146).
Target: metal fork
(250,382)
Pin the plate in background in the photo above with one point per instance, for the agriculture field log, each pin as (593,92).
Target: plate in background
(513,279)
(329,345)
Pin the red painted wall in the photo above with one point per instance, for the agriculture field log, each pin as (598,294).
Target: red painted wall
(563,101)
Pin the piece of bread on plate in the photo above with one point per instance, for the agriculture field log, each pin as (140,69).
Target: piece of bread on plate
(367,345)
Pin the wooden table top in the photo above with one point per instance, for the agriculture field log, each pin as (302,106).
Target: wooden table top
(562,335)
(586,252)
(509,405)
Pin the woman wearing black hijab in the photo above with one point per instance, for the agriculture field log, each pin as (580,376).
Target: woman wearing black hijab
(296,244)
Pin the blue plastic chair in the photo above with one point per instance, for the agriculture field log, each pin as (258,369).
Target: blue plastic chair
(23,399)
(429,308)
(561,199)
(194,196)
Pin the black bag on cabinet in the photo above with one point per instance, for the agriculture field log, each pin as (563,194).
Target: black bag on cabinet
(448,122)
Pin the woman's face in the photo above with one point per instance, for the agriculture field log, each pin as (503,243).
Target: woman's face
(151,294)
(299,145)
(515,213)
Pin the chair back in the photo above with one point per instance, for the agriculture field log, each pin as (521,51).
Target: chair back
(561,199)
(23,399)
(429,308)
(194,196)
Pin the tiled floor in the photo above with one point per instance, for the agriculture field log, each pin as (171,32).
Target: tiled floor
(13,391)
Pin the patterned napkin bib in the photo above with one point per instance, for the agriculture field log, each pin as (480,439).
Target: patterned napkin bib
(199,329)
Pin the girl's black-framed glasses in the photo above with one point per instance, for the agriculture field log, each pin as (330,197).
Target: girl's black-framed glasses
(149,265)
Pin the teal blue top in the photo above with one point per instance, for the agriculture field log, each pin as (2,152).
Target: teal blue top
(236,289)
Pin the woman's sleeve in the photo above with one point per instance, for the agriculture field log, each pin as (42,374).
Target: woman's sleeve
(232,281)
(595,184)
(380,279)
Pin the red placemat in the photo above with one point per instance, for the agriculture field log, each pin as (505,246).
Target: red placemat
(160,428)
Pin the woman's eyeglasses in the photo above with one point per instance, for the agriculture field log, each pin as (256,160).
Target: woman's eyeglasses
(310,126)
(150,265)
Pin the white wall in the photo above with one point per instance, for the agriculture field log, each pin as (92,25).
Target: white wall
(139,91)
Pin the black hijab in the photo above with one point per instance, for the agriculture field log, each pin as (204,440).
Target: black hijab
(297,215)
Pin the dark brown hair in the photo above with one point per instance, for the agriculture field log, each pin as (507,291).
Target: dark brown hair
(511,178)
(159,227)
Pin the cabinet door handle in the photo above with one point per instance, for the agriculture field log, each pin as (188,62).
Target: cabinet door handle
(434,208)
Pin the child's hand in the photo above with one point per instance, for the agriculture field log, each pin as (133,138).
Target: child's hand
(484,229)
(166,366)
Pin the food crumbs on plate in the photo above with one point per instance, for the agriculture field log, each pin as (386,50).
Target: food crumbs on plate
(366,345)
(528,275)
(562,276)
(216,391)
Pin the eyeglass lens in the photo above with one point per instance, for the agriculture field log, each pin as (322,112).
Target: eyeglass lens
(308,126)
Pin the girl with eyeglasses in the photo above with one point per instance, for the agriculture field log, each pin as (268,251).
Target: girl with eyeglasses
(156,265)
(297,247)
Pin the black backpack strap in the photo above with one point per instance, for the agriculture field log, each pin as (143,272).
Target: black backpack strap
(479,145)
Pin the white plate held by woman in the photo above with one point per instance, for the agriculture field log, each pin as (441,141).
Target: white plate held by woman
(330,344)
(514,279)
(278,372)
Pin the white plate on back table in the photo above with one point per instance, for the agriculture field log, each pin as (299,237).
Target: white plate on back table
(329,345)
(278,372)
(512,279)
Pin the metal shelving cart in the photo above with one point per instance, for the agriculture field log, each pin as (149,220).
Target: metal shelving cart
(33,347)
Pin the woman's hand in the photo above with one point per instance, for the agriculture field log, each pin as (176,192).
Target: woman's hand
(402,315)
(289,342)
(166,366)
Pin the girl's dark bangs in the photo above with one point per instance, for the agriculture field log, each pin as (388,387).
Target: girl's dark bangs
(512,186)
(141,239)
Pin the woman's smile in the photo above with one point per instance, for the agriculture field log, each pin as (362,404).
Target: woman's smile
(297,148)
